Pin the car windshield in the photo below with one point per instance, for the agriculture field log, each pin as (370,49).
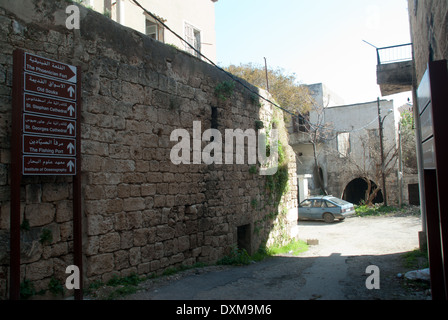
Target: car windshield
(338,201)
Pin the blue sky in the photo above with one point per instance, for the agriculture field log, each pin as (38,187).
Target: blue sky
(318,40)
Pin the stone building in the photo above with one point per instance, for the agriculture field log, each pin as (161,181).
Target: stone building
(344,135)
(352,150)
(141,213)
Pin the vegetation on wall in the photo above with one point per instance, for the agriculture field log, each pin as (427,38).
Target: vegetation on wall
(224,90)
(276,187)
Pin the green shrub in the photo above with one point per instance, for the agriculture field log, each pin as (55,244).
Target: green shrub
(236,257)
(376,210)
(224,90)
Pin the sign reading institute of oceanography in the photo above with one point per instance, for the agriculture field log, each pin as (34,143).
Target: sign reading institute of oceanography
(35,165)
(49,128)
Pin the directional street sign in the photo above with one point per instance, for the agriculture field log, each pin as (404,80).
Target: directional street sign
(48,86)
(49,116)
(48,125)
(49,106)
(45,141)
(50,68)
(40,145)
(34,165)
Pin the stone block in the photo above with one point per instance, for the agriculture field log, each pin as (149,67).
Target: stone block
(177,258)
(33,193)
(141,237)
(109,242)
(134,204)
(39,270)
(148,189)
(121,260)
(64,211)
(40,214)
(135,256)
(155,265)
(126,239)
(99,264)
(164,232)
(97,224)
(147,253)
(184,243)
(159,201)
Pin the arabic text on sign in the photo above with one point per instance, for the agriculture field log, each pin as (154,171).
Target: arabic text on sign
(43,85)
(50,67)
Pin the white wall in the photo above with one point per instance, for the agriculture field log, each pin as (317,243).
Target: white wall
(199,13)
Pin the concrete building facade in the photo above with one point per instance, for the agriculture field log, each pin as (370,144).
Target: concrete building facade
(338,148)
(193,20)
(352,150)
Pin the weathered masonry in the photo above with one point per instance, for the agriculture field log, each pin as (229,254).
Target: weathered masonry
(141,213)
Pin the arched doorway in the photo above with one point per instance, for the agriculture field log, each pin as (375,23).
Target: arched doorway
(355,191)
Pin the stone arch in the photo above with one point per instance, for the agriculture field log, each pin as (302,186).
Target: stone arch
(355,190)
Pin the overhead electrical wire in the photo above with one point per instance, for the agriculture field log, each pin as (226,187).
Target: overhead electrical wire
(236,79)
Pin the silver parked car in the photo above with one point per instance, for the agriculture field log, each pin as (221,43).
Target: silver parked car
(327,208)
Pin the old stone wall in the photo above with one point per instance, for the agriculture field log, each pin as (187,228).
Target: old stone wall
(141,213)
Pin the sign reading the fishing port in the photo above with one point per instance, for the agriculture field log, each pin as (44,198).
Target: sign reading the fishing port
(49,111)
(33,144)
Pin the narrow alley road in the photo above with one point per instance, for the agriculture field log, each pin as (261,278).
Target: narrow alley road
(335,269)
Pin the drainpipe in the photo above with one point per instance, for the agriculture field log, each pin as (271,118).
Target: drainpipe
(120,12)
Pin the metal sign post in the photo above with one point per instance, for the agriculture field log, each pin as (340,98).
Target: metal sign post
(45,140)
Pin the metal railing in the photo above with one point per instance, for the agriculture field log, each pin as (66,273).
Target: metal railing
(399,53)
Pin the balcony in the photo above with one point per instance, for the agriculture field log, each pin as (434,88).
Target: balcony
(395,69)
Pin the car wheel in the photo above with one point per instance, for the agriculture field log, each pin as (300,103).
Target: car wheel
(328,217)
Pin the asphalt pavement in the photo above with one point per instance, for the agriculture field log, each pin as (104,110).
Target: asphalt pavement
(335,269)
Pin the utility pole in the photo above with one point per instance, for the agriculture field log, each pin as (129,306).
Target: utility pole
(380,122)
(266,70)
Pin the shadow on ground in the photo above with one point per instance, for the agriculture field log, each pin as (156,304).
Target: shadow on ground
(334,277)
